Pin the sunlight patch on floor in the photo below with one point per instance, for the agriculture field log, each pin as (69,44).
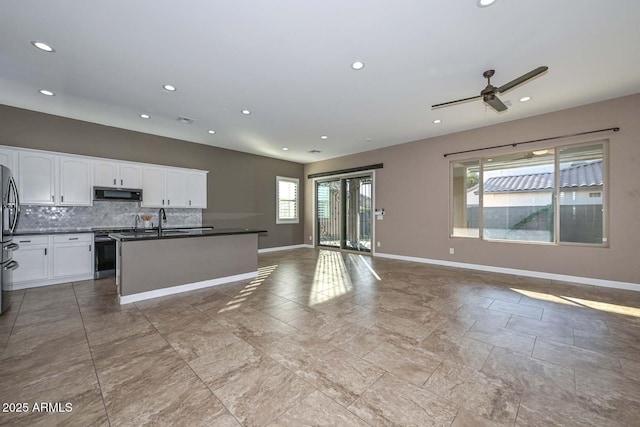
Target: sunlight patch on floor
(330,279)
(236,302)
(580,302)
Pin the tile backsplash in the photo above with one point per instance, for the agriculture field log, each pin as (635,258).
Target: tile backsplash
(101,214)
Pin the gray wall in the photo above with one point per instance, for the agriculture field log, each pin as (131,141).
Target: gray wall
(413,188)
(241,187)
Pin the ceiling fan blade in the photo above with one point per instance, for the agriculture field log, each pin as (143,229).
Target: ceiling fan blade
(444,104)
(523,78)
(495,103)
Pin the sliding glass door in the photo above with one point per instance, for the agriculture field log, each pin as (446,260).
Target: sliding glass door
(343,213)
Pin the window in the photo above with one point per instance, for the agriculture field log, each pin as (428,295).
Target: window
(287,200)
(513,197)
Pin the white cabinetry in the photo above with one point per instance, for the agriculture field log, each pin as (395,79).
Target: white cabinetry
(33,259)
(116,174)
(197,190)
(8,158)
(153,187)
(176,188)
(47,179)
(75,181)
(37,183)
(72,255)
(51,259)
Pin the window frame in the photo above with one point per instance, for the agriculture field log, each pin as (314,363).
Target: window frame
(556,196)
(279,219)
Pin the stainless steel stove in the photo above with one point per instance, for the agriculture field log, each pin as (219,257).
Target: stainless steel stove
(105,251)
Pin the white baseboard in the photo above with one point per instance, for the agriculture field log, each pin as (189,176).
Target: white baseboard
(128,299)
(49,282)
(283,248)
(527,273)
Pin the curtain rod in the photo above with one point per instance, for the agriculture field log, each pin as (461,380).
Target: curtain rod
(514,144)
(343,171)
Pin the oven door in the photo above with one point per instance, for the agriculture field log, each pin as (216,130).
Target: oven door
(105,257)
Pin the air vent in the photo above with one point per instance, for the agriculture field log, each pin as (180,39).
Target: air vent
(314,151)
(185,120)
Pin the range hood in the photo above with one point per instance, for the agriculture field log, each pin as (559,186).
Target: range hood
(117,194)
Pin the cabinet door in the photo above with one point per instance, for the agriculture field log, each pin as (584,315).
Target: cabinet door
(8,159)
(37,178)
(75,181)
(33,263)
(197,190)
(106,174)
(176,188)
(153,187)
(72,259)
(130,175)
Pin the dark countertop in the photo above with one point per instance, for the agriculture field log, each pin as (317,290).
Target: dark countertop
(52,231)
(181,233)
(63,230)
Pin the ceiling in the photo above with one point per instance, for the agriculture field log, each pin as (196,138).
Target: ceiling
(289,63)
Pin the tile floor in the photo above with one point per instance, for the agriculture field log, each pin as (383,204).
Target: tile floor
(324,338)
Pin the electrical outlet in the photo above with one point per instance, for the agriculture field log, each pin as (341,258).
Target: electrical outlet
(378,244)
(310,237)
(452,251)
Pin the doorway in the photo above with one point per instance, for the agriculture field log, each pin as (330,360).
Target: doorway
(343,213)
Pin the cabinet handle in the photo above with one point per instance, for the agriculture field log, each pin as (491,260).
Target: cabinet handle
(162,202)
(168,202)
(45,251)
(122,182)
(114,181)
(89,248)
(24,241)
(189,202)
(62,199)
(73,238)
(53,198)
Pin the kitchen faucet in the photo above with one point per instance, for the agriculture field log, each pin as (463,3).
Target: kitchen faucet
(135,226)
(162,216)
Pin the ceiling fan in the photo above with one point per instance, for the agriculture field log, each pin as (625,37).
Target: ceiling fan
(489,93)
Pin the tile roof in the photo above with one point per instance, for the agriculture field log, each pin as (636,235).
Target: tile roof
(582,175)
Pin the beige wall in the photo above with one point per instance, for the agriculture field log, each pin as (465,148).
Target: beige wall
(241,187)
(413,188)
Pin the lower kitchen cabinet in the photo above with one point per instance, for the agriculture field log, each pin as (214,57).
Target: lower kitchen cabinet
(33,259)
(51,259)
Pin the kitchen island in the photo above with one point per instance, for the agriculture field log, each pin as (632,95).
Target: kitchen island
(151,264)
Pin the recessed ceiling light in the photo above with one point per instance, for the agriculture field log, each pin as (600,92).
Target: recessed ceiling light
(246,112)
(43,46)
(436,121)
(525,99)
(46,92)
(145,116)
(170,88)
(285,149)
(485,3)
(324,137)
(211,132)
(357,65)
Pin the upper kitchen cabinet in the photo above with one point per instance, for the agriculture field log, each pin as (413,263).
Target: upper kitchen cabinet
(75,181)
(153,187)
(37,178)
(173,188)
(8,158)
(47,179)
(197,189)
(176,188)
(115,174)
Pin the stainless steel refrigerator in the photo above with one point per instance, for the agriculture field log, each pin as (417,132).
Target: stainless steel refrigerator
(10,211)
